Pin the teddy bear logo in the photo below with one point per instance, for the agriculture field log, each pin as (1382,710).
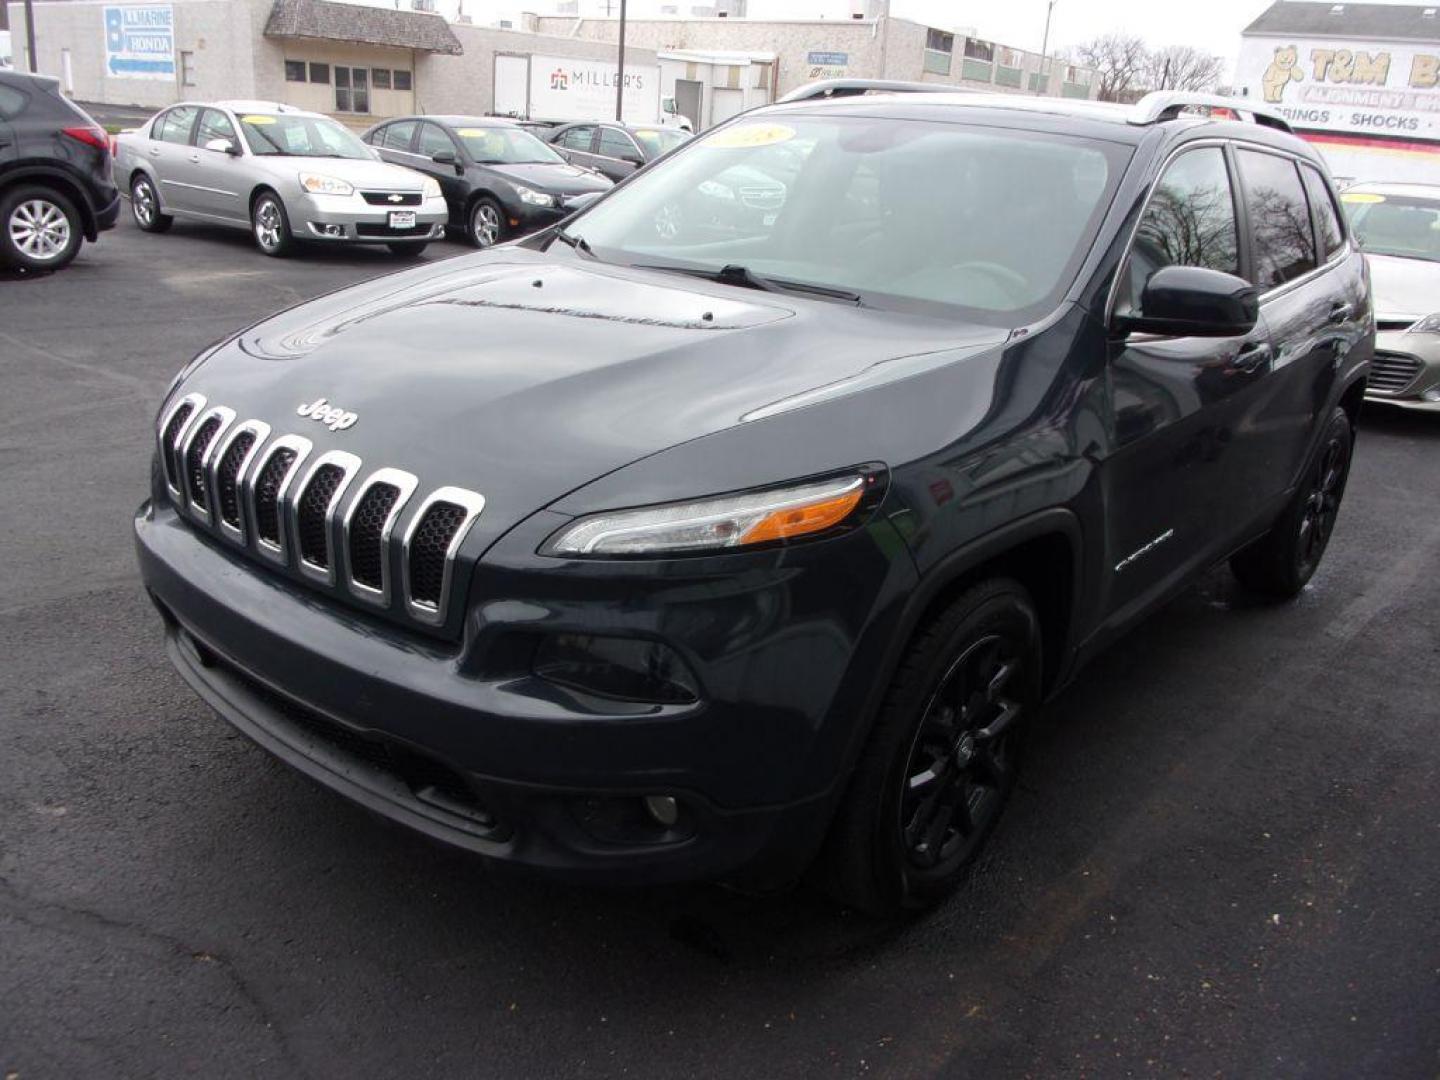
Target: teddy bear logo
(1281,72)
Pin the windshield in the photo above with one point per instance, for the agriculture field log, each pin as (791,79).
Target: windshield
(908,214)
(655,143)
(506,146)
(1394,224)
(299,136)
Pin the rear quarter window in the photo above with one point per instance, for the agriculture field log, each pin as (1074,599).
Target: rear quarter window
(1282,237)
(12,102)
(1327,214)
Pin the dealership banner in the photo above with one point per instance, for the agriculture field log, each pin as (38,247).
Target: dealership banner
(827,65)
(1360,88)
(140,41)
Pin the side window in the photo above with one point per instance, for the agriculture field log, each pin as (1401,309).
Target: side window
(399,135)
(1190,221)
(12,102)
(433,140)
(616,144)
(214,124)
(1327,217)
(175,125)
(1283,240)
(577,138)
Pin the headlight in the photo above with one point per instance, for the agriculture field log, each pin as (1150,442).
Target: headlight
(1428,325)
(730,521)
(534,198)
(319,184)
(431,188)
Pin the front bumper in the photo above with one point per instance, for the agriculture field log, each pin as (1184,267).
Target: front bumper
(349,219)
(1406,370)
(443,738)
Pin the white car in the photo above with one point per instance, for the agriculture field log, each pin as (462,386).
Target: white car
(1398,227)
(284,174)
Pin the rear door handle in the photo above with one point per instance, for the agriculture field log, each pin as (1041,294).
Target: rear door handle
(1340,312)
(1253,356)
(154,151)
(195,159)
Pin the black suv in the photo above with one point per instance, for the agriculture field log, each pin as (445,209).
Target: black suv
(634,554)
(55,185)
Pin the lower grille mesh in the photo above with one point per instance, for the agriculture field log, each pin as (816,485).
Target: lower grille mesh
(227,473)
(267,494)
(428,548)
(1391,373)
(194,461)
(367,529)
(310,517)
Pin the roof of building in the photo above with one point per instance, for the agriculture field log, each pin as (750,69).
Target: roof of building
(329,21)
(1349,20)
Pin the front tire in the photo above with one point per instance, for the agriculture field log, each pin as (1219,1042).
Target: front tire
(485,224)
(941,761)
(40,229)
(145,206)
(270,225)
(1281,562)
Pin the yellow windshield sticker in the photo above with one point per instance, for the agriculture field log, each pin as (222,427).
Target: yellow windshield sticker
(471,133)
(257,119)
(1361,197)
(646,134)
(750,135)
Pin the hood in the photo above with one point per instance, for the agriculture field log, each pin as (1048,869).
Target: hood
(557,178)
(1405,289)
(523,377)
(362,172)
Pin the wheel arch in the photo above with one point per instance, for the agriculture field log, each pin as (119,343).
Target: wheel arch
(1352,400)
(61,184)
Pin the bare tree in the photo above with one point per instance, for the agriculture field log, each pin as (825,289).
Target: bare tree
(1119,59)
(1180,67)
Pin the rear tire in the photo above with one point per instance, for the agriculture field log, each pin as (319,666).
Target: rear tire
(941,761)
(40,229)
(145,206)
(407,251)
(1281,562)
(270,225)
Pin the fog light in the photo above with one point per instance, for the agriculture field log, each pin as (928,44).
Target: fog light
(664,809)
(1433,394)
(622,668)
(328,230)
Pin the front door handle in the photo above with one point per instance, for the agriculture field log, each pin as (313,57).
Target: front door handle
(195,159)
(1253,356)
(1340,312)
(154,151)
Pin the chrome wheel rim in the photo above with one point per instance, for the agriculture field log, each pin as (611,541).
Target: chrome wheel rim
(268,225)
(144,204)
(39,230)
(486,225)
(1322,504)
(963,757)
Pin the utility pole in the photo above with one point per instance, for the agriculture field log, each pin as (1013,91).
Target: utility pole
(30,33)
(619,74)
(1045,47)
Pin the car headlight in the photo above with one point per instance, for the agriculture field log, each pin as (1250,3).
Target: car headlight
(1428,325)
(533,197)
(729,521)
(431,188)
(320,184)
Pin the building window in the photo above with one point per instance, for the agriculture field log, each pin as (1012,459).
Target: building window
(294,70)
(402,79)
(975,49)
(938,49)
(320,73)
(187,68)
(380,78)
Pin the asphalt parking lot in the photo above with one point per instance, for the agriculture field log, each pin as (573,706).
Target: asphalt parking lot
(1224,857)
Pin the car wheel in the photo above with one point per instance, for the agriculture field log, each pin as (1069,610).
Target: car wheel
(40,229)
(942,758)
(407,251)
(1284,559)
(145,206)
(270,225)
(487,223)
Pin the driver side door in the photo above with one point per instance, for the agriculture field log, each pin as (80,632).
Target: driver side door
(219,184)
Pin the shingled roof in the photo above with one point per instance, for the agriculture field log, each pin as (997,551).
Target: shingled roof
(362,25)
(1336,18)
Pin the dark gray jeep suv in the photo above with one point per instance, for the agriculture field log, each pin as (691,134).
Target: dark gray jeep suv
(660,546)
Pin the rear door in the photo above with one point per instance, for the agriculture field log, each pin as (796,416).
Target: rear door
(12,103)
(617,155)
(1177,448)
(168,152)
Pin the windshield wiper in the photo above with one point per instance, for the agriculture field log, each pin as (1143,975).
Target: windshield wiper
(579,243)
(743,276)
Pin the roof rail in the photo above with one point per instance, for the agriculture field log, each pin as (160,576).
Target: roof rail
(828,88)
(1160,105)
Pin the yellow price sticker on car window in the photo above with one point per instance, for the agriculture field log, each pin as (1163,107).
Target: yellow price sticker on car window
(750,135)
(646,134)
(257,119)
(471,133)
(1361,197)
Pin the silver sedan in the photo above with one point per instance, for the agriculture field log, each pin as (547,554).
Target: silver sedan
(284,174)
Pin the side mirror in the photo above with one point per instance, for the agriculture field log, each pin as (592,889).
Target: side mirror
(443,157)
(633,158)
(579,202)
(1191,301)
(223,146)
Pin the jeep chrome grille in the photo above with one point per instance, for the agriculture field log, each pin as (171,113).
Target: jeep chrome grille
(271,497)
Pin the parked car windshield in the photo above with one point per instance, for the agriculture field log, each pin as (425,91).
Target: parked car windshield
(506,146)
(299,136)
(908,214)
(658,141)
(1394,224)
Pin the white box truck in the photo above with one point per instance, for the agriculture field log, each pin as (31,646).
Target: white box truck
(561,89)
